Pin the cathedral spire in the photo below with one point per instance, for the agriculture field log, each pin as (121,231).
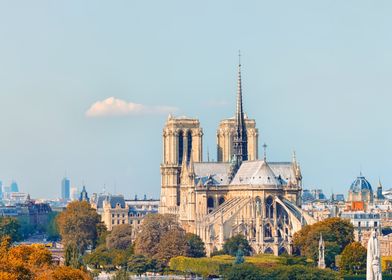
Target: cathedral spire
(240,136)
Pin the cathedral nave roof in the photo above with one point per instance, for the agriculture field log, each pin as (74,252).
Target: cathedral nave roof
(214,173)
(259,172)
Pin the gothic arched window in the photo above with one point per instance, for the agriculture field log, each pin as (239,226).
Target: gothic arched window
(258,205)
(210,202)
(269,207)
(180,146)
(221,200)
(189,148)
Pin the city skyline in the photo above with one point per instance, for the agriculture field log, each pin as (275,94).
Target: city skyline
(92,97)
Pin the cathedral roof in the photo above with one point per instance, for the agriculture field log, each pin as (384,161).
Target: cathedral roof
(360,184)
(214,173)
(256,173)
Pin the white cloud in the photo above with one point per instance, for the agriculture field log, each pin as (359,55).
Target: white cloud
(116,107)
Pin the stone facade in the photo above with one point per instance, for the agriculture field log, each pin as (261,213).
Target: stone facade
(225,139)
(216,200)
(115,210)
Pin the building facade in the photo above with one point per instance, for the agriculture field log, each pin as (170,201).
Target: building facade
(239,194)
(116,210)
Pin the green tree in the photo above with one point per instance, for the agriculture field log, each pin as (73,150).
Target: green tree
(243,272)
(152,231)
(72,256)
(233,244)
(10,227)
(100,257)
(195,247)
(337,234)
(26,228)
(139,264)
(79,225)
(51,229)
(120,237)
(353,259)
(239,257)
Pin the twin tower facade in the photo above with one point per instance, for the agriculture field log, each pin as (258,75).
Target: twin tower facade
(183,141)
(237,140)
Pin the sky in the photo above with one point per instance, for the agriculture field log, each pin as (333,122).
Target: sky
(86,87)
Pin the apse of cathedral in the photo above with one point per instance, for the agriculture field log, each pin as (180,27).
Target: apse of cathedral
(237,194)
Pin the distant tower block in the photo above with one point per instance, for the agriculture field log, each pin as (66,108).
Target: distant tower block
(182,140)
(225,139)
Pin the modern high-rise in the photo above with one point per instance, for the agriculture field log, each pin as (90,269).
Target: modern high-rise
(14,187)
(65,188)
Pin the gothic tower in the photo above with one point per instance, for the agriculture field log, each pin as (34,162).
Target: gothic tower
(237,136)
(182,141)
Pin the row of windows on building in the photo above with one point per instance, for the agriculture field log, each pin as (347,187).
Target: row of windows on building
(119,222)
(131,215)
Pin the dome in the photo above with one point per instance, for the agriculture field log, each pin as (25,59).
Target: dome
(360,184)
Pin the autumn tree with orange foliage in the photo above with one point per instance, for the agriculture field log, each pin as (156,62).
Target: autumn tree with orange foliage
(79,225)
(337,234)
(33,262)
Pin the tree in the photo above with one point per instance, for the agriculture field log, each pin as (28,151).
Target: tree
(79,225)
(239,257)
(9,227)
(72,256)
(51,229)
(243,271)
(172,244)
(32,262)
(337,234)
(233,244)
(353,259)
(120,237)
(152,231)
(139,264)
(68,273)
(195,247)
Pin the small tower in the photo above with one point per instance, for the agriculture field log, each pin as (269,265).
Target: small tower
(321,260)
(84,195)
(379,195)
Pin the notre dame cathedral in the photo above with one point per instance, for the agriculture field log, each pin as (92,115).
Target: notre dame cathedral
(238,194)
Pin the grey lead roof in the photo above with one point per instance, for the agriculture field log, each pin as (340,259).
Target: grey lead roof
(257,172)
(260,172)
(113,200)
(216,173)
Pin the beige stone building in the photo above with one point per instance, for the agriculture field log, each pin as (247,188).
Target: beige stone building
(115,210)
(238,194)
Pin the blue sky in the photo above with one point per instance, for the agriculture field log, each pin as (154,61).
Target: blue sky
(316,77)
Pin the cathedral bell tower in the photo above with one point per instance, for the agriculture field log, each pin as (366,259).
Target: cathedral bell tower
(182,141)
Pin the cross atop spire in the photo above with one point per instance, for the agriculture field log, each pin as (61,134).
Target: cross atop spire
(265,151)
